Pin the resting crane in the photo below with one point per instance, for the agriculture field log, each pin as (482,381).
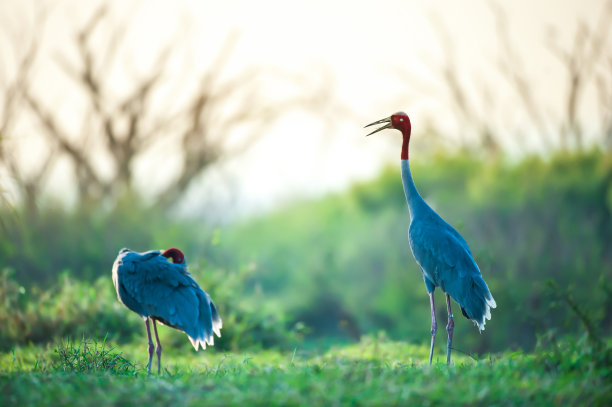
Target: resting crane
(159,290)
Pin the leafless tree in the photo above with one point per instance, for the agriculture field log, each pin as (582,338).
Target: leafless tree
(588,62)
(512,67)
(12,92)
(581,63)
(122,128)
(604,94)
(466,110)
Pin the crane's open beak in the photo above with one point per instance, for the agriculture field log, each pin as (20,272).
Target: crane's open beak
(388,125)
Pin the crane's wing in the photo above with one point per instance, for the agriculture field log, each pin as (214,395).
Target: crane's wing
(447,262)
(166,292)
(438,247)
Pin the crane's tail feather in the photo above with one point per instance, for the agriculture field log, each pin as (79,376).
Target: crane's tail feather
(202,341)
(476,301)
(209,324)
(217,324)
(197,343)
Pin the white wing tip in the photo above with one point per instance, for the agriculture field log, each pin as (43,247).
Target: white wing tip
(481,328)
(203,341)
(217,331)
(197,343)
(216,326)
(487,316)
(480,324)
(491,302)
(207,338)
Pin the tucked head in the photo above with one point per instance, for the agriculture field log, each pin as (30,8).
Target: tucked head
(176,255)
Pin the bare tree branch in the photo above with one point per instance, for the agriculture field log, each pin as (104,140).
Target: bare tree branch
(511,66)
(29,186)
(604,93)
(466,112)
(88,179)
(121,128)
(580,64)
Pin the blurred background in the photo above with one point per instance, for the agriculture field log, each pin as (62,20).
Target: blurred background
(234,131)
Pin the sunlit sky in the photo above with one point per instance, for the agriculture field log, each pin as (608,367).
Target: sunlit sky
(382,56)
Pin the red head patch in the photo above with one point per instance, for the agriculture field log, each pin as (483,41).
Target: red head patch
(176,255)
(398,121)
(401,122)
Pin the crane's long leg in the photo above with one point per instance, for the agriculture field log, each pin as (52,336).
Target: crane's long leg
(434,326)
(158,350)
(150,344)
(449,329)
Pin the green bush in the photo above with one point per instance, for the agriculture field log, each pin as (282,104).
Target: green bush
(338,267)
(75,309)
(69,308)
(344,261)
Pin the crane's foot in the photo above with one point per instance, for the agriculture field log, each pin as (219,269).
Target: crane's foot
(151,348)
(450,327)
(434,326)
(158,350)
(434,329)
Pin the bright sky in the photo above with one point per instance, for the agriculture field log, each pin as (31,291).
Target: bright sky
(383,56)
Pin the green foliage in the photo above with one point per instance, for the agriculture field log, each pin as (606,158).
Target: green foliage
(68,308)
(339,267)
(375,371)
(82,241)
(343,265)
(248,322)
(74,308)
(569,355)
(88,357)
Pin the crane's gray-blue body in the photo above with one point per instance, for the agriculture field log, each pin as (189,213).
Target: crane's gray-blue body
(444,257)
(151,286)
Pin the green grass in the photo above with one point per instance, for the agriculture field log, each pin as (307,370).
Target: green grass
(374,372)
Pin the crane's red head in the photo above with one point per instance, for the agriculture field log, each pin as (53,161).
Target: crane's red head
(398,121)
(176,255)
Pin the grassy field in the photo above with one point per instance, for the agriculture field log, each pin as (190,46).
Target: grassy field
(541,230)
(373,372)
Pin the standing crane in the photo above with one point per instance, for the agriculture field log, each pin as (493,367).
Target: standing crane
(440,251)
(163,291)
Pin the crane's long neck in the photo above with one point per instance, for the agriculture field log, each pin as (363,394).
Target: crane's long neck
(405,142)
(415,203)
